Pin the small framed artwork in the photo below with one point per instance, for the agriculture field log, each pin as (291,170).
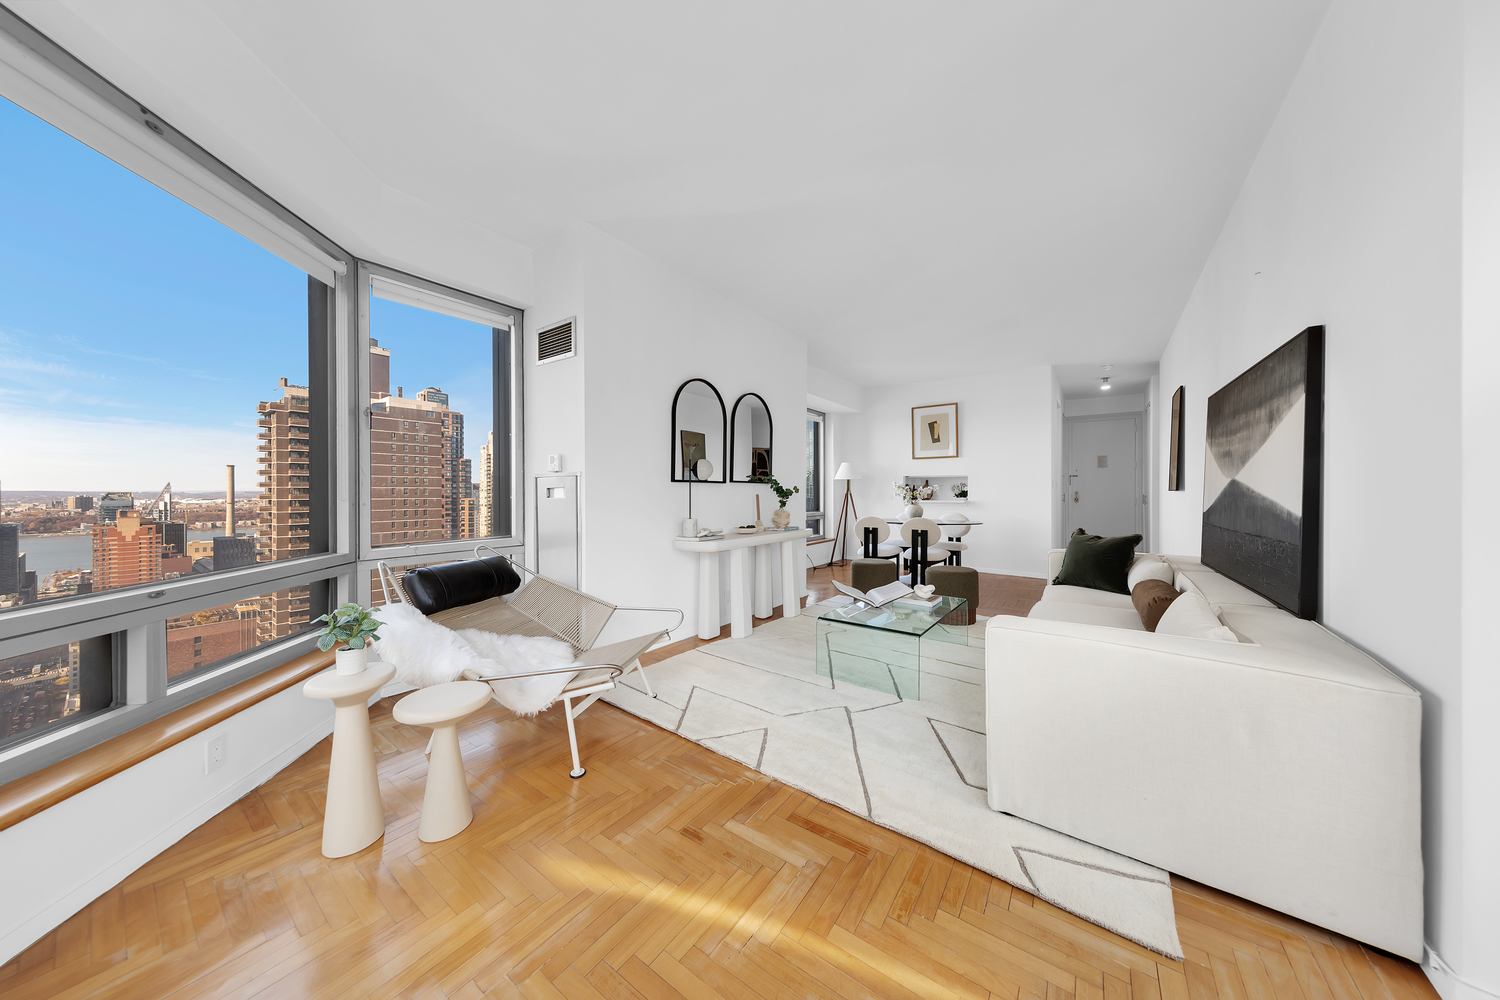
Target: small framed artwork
(1174,451)
(934,431)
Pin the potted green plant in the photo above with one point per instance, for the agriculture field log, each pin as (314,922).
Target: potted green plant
(780,517)
(961,491)
(353,626)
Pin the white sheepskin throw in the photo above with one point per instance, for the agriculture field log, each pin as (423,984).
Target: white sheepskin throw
(426,653)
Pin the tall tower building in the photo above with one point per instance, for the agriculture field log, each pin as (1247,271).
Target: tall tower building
(126,552)
(407,470)
(285,504)
(452,455)
(10,553)
(486,514)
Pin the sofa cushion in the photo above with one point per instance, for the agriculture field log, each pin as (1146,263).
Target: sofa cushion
(1219,589)
(1087,614)
(1148,568)
(1098,562)
(1151,599)
(1192,616)
(1085,595)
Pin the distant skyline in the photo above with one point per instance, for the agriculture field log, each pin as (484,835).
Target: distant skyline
(137,335)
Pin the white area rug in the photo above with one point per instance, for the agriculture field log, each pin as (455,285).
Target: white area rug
(916,767)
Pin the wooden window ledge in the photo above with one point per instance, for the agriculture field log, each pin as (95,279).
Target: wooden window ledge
(27,796)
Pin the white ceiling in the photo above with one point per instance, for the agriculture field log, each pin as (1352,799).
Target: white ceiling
(1082,381)
(1025,182)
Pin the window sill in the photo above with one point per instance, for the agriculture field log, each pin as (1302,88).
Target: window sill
(25,797)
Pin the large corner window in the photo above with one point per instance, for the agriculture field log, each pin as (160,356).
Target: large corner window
(443,390)
(158,415)
(816,516)
(171,344)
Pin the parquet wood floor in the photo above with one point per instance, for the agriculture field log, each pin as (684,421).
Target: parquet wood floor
(668,871)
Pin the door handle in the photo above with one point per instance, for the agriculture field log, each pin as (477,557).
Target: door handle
(1075,496)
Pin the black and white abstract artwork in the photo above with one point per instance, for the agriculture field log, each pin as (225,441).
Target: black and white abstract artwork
(1262,475)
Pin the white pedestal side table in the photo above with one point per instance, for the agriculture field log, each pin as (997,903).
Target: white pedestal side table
(354,817)
(793,577)
(445,803)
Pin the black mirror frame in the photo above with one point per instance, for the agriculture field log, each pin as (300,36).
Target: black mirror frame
(721,468)
(769,421)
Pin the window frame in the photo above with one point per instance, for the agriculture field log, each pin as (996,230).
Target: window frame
(820,477)
(42,78)
(509,398)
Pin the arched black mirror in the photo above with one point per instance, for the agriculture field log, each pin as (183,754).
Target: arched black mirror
(698,431)
(749,439)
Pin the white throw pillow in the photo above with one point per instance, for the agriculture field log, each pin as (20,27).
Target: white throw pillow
(1191,615)
(1148,568)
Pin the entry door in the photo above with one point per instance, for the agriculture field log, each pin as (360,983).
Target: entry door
(1103,489)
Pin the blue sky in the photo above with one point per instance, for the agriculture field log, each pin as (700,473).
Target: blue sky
(137,334)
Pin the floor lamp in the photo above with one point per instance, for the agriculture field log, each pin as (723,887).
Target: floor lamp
(846,473)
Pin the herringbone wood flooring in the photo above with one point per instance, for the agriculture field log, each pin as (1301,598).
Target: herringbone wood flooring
(667,871)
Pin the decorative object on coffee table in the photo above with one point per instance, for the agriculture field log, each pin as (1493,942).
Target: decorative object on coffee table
(934,431)
(780,517)
(1262,475)
(354,816)
(355,628)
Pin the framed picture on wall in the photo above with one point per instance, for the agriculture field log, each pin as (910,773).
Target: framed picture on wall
(1174,450)
(934,431)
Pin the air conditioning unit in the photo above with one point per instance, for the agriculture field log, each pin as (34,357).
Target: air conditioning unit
(556,342)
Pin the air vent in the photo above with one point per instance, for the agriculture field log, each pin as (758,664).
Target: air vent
(555,343)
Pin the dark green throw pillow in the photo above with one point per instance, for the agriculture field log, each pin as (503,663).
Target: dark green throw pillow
(1098,563)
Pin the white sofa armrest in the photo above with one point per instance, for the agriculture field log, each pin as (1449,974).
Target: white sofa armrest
(1270,774)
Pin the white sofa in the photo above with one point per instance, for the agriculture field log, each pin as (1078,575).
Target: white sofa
(1283,768)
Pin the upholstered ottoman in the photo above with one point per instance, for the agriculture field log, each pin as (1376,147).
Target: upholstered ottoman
(867,574)
(957,581)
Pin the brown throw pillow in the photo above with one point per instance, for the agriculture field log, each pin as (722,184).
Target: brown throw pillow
(1151,599)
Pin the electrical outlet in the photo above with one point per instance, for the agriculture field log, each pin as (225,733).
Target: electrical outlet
(213,754)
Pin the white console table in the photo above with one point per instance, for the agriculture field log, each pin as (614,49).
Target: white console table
(793,577)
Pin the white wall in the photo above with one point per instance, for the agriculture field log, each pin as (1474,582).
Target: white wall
(1004,423)
(61,859)
(1476,951)
(1351,217)
(1105,402)
(646,329)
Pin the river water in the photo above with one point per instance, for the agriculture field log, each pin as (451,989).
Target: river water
(48,553)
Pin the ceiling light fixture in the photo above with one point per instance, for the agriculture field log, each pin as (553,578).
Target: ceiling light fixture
(1104,384)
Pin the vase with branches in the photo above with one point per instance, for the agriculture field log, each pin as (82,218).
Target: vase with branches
(911,494)
(781,516)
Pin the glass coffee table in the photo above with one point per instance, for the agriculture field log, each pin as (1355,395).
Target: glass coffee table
(881,648)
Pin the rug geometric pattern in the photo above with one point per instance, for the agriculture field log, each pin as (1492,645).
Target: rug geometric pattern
(913,766)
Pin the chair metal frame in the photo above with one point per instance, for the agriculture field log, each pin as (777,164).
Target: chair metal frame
(544,608)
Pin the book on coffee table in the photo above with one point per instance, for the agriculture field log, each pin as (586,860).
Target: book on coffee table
(916,602)
(878,597)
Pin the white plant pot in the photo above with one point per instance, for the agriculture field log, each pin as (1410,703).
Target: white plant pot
(781,517)
(350,661)
(913,510)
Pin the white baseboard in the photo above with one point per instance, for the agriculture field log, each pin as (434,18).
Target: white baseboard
(1449,985)
(23,935)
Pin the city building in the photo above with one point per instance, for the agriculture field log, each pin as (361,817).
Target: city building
(110,504)
(415,446)
(10,554)
(283,446)
(485,514)
(468,518)
(127,551)
(80,503)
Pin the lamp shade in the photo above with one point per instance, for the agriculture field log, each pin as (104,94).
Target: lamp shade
(846,471)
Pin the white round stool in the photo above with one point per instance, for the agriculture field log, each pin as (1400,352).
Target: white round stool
(445,804)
